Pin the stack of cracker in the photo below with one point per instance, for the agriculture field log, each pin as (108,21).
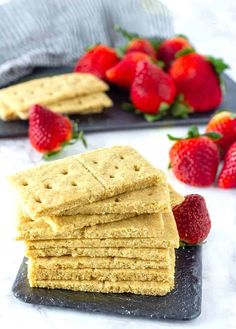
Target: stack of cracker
(99,221)
(71,93)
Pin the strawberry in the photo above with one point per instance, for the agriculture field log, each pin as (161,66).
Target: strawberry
(141,45)
(49,131)
(169,48)
(225,124)
(122,74)
(195,158)
(152,88)
(227,177)
(135,43)
(192,219)
(97,61)
(197,79)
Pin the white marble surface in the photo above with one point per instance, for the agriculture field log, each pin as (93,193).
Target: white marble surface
(210,24)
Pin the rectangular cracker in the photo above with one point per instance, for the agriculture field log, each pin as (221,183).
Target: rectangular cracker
(65,262)
(140,226)
(82,104)
(137,201)
(51,187)
(136,287)
(120,169)
(150,200)
(98,243)
(6,113)
(76,222)
(19,98)
(140,253)
(73,183)
(160,275)
(143,226)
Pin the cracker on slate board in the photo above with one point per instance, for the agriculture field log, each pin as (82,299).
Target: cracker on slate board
(65,262)
(82,104)
(49,90)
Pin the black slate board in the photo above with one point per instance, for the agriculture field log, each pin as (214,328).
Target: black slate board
(116,118)
(183,303)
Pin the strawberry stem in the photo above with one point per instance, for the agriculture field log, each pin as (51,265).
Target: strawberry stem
(129,107)
(184,51)
(193,132)
(128,35)
(82,138)
(218,64)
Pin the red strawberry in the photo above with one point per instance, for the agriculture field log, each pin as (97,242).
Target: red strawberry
(225,124)
(227,177)
(169,48)
(97,61)
(195,159)
(192,219)
(122,74)
(151,88)
(48,130)
(141,45)
(197,80)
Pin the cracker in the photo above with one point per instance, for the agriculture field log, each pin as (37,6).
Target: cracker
(175,197)
(140,253)
(98,243)
(136,287)
(146,201)
(65,262)
(76,222)
(82,105)
(108,236)
(6,113)
(139,226)
(160,275)
(120,169)
(74,181)
(52,186)
(49,90)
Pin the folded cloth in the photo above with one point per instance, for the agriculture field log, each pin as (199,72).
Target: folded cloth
(56,32)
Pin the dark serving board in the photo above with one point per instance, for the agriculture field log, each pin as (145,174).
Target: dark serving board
(116,118)
(183,303)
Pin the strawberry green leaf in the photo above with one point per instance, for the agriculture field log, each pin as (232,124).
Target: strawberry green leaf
(120,51)
(155,43)
(213,135)
(82,139)
(218,64)
(128,35)
(193,132)
(182,36)
(88,48)
(50,155)
(164,107)
(75,131)
(160,64)
(129,107)
(172,138)
(153,117)
(180,110)
(183,52)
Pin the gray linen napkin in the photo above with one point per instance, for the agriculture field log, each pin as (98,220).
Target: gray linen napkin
(55,32)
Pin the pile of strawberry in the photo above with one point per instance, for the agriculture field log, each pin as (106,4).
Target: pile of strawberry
(166,77)
(195,159)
